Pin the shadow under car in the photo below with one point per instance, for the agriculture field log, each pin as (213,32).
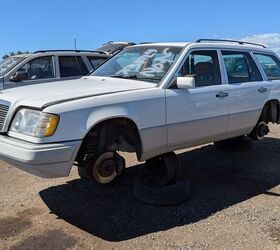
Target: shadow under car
(218,179)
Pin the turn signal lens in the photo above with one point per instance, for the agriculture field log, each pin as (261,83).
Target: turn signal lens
(47,125)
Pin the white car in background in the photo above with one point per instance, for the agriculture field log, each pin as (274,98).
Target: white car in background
(150,99)
(47,66)
(53,65)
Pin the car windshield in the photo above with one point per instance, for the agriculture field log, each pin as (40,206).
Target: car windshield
(8,63)
(145,63)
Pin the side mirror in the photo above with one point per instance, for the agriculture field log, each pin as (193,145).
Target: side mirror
(19,76)
(187,82)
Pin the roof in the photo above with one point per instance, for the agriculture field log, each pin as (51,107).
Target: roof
(62,53)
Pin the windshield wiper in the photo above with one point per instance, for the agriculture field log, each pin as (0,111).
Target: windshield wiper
(125,76)
(149,78)
(136,77)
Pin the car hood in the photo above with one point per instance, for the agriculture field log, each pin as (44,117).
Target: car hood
(46,94)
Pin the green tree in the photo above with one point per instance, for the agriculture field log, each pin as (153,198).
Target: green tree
(15,53)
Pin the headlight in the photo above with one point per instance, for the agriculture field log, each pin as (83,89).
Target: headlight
(34,123)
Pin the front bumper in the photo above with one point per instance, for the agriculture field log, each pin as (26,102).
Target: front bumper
(45,160)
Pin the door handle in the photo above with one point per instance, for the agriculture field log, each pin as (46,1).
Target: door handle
(221,95)
(262,90)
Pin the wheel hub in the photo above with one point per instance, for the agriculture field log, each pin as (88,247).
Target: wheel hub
(107,167)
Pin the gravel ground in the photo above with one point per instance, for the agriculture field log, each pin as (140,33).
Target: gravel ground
(235,204)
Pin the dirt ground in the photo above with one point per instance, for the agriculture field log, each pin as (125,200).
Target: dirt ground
(235,204)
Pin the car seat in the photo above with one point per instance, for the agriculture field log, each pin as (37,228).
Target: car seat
(204,74)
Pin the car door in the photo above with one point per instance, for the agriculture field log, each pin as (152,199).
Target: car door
(38,70)
(199,114)
(247,91)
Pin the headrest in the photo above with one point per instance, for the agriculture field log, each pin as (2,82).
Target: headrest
(204,68)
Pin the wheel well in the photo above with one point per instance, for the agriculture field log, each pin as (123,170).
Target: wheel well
(271,111)
(117,134)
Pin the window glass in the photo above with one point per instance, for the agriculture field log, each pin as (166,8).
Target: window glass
(96,61)
(39,68)
(254,72)
(240,67)
(72,66)
(128,58)
(9,63)
(271,66)
(83,69)
(144,63)
(236,67)
(204,66)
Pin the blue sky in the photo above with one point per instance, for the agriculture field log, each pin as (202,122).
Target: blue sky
(32,25)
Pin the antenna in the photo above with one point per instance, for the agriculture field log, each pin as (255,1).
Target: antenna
(75,43)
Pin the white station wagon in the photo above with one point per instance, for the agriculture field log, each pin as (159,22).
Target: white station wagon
(150,99)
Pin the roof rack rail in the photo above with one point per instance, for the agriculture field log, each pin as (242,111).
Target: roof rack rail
(230,41)
(69,50)
(146,42)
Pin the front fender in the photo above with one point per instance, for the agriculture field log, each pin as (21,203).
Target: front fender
(146,108)
(107,113)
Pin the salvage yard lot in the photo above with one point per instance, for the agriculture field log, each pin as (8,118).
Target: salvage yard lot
(235,205)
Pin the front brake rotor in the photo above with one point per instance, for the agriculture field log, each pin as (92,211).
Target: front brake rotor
(107,167)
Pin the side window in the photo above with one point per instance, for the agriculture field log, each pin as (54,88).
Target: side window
(240,67)
(270,65)
(255,74)
(83,68)
(204,65)
(39,68)
(72,66)
(96,61)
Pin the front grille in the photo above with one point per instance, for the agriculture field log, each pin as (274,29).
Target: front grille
(3,113)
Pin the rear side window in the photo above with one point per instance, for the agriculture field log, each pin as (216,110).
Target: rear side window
(240,67)
(72,66)
(96,61)
(204,66)
(270,65)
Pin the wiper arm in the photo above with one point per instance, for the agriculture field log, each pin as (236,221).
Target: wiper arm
(149,78)
(125,76)
(136,77)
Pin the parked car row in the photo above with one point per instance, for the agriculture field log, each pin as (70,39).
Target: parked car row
(150,98)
